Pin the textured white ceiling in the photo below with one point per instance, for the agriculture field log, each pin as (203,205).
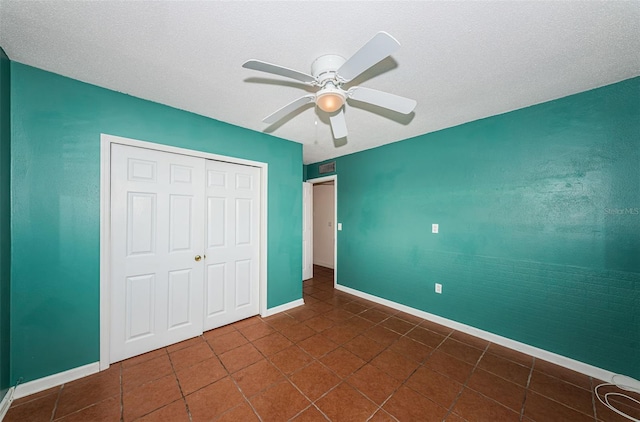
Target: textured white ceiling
(460,60)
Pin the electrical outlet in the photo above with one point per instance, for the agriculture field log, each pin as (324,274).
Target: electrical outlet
(434,228)
(339,226)
(438,288)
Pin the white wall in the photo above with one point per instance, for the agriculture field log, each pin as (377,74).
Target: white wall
(323,225)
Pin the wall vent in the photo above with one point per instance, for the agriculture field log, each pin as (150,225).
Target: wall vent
(327,168)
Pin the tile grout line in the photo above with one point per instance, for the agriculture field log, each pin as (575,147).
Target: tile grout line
(120,377)
(554,399)
(60,391)
(455,400)
(287,377)
(403,383)
(593,398)
(175,375)
(505,379)
(420,365)
(246,399)
(312,403)
(55,405)
(526,388)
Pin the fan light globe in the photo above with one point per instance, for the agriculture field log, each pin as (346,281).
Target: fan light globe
(329,101)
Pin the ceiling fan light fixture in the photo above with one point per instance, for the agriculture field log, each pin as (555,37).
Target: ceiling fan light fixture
(329,73)
(330,100)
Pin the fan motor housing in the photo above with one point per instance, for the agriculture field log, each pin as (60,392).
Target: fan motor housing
(325,67)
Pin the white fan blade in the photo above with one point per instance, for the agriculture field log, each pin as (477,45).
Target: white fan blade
(338,124)
(278,70)
(380,46)
(382,99)
(292,106)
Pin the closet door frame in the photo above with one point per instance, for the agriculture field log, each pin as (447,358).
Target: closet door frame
(105,226)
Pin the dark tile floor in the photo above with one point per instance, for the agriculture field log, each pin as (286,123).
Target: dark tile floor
(337,358)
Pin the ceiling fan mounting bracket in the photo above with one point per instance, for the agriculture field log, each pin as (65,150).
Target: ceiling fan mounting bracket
(324,68)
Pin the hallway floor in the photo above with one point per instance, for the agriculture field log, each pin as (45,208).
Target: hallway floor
(337,358)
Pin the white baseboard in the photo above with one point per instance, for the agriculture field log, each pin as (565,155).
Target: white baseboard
(584,368)
(324,264)
(282,308)
(41,384)
(5,404)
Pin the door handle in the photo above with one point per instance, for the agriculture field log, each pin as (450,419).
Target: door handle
(198,258)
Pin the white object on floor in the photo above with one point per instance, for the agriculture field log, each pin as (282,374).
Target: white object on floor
(624,383)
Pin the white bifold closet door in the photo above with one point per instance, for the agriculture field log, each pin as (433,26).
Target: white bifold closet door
(232,243)
(184,247)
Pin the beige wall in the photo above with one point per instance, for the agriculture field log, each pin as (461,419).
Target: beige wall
(323,225)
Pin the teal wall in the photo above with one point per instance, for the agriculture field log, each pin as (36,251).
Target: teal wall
(5,222)
(56,126)
(539,224)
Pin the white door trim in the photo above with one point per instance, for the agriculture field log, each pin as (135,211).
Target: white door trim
(335,219)
(307,230)
(105,225)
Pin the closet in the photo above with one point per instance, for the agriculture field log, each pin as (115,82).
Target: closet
(184,247)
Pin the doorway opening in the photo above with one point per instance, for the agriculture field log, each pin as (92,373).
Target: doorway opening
(320,226)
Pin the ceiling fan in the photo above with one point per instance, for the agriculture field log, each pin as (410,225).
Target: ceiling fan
(330,72)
